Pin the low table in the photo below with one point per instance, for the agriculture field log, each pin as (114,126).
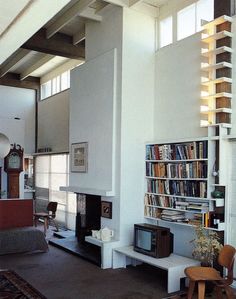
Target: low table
(174,264)
(106,250)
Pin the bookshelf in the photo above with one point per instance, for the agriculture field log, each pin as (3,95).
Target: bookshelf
(179,184)
(216,67)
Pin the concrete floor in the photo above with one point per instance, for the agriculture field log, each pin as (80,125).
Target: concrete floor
(60,275)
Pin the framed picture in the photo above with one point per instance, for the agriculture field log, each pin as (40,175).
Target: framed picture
(106,209)
(79,157)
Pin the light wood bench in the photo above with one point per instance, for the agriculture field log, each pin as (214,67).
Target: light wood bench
(174,264)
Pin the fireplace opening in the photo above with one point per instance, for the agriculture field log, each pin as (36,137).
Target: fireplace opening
(88,218)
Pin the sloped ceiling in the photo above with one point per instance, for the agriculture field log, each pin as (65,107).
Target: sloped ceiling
(38,35)
(19,23)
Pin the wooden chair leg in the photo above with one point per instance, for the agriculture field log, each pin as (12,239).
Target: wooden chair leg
(45,225)
(191,289)
(218,292)
(201,289)
(229,293)
(35,221)
(56,225)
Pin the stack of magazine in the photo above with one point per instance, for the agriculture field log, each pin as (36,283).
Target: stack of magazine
(170,215)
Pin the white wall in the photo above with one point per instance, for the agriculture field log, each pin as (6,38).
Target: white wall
(53,122)
(138,71)
(92,119)
(17,102)
(132,34)
(178,89)
(101,38)
(20,102)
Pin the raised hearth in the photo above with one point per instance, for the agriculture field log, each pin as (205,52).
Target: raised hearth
(85,250)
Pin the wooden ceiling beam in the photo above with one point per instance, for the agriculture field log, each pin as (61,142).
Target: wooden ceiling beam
(46,58)
(123,3)
(90,13)
(133,2)
(72,12)
(59,45)
(79,36)
(13,80)
(12,61)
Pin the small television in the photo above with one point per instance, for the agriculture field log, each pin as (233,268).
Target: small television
(153,240)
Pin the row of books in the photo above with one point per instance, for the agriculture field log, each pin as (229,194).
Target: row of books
(181,151)
(176,203)
(170,215)
(208,219)
(151,212)
(194,169)
(180,188)
(162,201)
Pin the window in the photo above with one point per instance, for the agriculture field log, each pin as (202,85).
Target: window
(46,90)
(188,19)
(205,11)
(65,80)
(166,31)
(186,22)
(51,172)
(55,85)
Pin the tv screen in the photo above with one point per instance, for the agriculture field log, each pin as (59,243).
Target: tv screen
(153,240)
(144,239)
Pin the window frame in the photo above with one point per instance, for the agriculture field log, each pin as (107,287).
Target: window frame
(55,85)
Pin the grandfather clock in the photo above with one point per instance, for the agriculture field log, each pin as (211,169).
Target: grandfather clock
(13,165)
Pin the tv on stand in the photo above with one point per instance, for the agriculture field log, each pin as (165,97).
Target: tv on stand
(153,240)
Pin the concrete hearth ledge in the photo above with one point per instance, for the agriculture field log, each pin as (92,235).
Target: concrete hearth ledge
(90,191)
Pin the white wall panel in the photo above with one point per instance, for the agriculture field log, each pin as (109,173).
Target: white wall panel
(92,111)
(53,122)
(20,102)
(178,89)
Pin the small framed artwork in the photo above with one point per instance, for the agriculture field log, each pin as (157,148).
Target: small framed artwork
(79,157)
(106,209)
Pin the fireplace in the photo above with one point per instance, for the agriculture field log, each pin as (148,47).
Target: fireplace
(88,218)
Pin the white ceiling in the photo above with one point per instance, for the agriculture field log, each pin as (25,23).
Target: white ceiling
(20,20)
(9,10)
(156,3)
(26,23)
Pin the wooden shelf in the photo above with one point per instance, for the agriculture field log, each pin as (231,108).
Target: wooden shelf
(217,21)
(184,224)
(179,210)
(217,81)
(217,95)
(178,141)
(168,161)
(217,36)
(176,179)
(217,51)
(177,196)
(217,66)
(218,110)
(223,125)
